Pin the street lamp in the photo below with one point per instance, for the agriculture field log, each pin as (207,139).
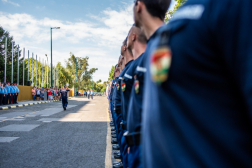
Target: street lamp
(76,75)
(51,54)
(46,71)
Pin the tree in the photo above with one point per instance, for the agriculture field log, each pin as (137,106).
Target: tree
(99,81)
(83,74)
(169,14)
(64,76)
(3,35)
(111,72)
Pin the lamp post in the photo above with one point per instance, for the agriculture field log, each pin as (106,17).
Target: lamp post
(76,76)
(51,55)
(18,67)
(85,80)
(28,79)
(42,72)
(36,72)
(12,63)
(46,71)
(23,65)
(32,68)
(6,48)
(39,71)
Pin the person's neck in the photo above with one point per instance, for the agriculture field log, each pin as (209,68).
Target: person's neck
(128,57)
(138,49)
(150,25)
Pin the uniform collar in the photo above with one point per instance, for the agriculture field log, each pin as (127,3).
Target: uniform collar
(154,34)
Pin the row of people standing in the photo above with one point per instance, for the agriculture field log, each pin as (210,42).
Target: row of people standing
(90,94)
(45,93)
(8,93)
(185,100)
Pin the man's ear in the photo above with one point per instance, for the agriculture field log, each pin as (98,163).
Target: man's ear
(133,36)
(139,6)
(124,48)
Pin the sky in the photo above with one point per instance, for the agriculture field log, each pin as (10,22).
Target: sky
(87,28)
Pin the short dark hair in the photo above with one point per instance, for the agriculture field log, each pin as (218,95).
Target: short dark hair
(157,8)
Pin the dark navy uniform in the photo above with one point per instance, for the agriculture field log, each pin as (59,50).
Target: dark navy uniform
(119,101)
(134,110)
(112,94)
(200,115)
(64,97)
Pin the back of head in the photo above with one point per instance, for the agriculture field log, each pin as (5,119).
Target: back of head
(157,8)
(135,34)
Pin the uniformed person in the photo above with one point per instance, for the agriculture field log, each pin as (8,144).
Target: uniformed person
(5,98)
(9,92)
(197,102)
(133,101)
(63,94)
(1,93)
(127,59)
(13,93)
(17,92)
(117,110)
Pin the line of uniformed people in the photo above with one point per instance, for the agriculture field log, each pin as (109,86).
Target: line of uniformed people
(185,100)
(125,97)
(8,93)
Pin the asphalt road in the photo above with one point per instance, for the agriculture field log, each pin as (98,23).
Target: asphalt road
(45,135)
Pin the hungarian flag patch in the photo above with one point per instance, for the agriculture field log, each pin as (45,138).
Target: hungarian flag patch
(160,64)
(123,86)
(136,85)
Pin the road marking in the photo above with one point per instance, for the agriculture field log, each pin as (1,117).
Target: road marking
(4,108)
(31,104)
(7,139)
(13,106)
(49,119)
(20,105)
(19,127)
(26,104)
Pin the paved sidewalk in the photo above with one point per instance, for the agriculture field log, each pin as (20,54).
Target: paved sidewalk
(24,103)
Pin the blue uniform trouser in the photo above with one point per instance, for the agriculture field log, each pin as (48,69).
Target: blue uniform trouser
(64,101)
(134,160)
(1,98)
(119,129)
(124,151)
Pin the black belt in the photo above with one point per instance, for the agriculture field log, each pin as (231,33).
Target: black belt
(132,138)
(123,126)
(118,111)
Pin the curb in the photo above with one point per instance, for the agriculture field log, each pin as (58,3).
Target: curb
(23,105)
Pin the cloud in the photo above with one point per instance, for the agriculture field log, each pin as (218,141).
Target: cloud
(100,38)
(13,3)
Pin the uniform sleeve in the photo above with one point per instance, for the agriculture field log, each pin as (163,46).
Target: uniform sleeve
(233,28)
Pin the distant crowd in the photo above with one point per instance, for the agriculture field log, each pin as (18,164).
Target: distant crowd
(8,93)
(52,93)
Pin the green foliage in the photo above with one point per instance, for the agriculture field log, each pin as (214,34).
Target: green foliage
(103,89)
(64,76)
(3,35)
(99,81)
(169,14)
(111,73)
(83,74)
